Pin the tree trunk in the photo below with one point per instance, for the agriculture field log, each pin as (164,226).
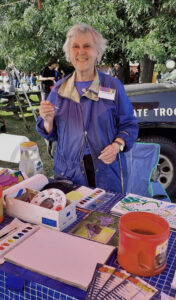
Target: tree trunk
(146,69)
(126,70)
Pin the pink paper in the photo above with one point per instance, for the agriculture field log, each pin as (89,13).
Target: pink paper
(61,256)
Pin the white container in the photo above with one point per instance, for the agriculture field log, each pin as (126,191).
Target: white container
(36,214)
(30,161)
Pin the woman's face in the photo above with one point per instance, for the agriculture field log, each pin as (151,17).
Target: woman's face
(83,52)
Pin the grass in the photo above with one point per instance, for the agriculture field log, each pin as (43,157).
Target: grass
(17,126)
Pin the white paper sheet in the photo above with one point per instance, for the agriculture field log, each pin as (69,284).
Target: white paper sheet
(61,256)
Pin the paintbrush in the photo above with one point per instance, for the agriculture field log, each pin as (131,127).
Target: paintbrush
(10,231)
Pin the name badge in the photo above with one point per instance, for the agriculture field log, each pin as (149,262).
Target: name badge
(106,93)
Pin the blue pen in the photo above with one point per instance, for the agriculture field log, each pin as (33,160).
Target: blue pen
(19,193)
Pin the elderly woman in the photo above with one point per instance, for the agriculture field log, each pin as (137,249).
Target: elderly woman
(90,117)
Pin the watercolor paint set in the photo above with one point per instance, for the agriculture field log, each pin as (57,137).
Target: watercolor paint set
(87,200)
(100,202)
(14,237)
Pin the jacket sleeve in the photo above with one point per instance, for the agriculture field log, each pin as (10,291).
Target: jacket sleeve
(127,122)
(52,136)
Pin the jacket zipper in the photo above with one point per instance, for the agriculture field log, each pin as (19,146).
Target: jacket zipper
(86,142)
(121,173)
(84,170)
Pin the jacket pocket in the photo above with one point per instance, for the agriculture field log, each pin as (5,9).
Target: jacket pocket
(63,169)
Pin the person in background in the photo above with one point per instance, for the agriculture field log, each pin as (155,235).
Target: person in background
(47,77)
(28,81)
(90,116)
(58,73)
(14,74)
(133,78)
(10,75)
(109,71)
(34,79)
(16,80)
(158,77)
(118,72)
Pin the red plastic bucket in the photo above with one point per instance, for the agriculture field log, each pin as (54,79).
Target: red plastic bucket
(143,240)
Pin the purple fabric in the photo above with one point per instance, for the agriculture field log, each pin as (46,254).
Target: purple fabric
(108,120)
(81,86)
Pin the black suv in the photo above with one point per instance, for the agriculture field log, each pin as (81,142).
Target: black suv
(155,109)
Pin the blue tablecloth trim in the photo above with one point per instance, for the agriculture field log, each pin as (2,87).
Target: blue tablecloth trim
(14,283)
(41,279)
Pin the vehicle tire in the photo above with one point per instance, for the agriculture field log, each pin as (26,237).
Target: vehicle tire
(167,163)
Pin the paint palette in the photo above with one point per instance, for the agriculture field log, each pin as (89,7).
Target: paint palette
(15,238)
(53,199)
(95,194)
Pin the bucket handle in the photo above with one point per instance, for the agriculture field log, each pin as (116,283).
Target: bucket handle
(141,264)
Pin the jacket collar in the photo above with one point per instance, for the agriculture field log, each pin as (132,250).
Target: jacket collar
(68,89)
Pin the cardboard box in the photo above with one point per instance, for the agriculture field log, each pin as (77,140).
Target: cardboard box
(36,214)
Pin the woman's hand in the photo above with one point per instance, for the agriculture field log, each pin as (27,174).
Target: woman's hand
(109,153)
(46,111)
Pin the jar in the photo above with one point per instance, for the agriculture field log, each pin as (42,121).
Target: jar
(143,241)
(30,161)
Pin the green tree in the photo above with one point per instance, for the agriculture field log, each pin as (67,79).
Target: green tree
(2,64)
(136,30)
(154,27)
(142,31)
(31,36)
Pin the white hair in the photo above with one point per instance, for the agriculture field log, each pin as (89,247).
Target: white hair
(100,42)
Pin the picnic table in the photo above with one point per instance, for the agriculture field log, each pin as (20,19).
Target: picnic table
(9,101)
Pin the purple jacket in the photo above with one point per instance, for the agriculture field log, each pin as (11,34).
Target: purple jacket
(108,119)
